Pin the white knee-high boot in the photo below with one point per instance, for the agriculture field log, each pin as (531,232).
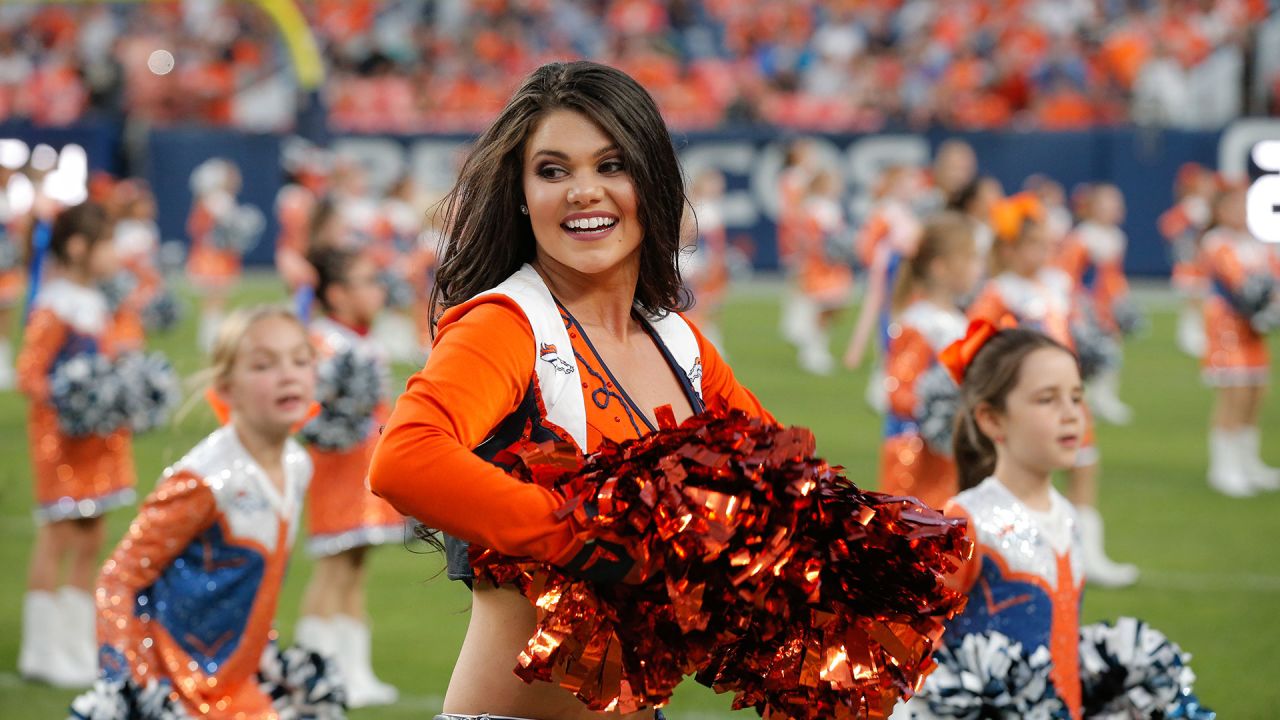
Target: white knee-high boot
(1226,463)
(1260,475)
(356,662)
(7,376)
(1098,568)
(1103,393)
(43,655)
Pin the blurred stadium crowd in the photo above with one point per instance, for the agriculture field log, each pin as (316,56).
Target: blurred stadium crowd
(815,65)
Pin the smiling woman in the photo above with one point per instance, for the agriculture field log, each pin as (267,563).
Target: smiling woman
(560,296)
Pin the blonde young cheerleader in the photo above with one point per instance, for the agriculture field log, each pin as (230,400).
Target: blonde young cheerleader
(916,459)
(1093,255)
(1021,418)
(187,601)
(78,478)
(1236,362)
(344,519)
(1024,288)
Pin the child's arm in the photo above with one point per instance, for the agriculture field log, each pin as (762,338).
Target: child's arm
(908,358)
(869,313)
(43,337)
(179,510)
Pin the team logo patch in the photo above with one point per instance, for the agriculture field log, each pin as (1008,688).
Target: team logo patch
(695,372)
(548,354)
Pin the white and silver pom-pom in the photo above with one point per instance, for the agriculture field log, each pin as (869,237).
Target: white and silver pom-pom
(1129,669)
(1130,319)
(163,311)
(302,685)
(937,398)
(152,389)
(126,700)
(400,293)
(88,395)
(117,287)
(1257,300)
(1096,350)
(349,387)
(238,230)
(989,676)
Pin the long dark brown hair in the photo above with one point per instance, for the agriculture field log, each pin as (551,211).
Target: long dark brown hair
(486,236)
(988,380)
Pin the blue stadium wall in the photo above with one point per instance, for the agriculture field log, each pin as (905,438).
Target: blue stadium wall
(1141,163)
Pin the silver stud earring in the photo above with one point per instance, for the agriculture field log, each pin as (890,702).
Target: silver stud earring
(524,210)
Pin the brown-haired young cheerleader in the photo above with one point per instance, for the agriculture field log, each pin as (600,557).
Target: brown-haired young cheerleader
(560,290)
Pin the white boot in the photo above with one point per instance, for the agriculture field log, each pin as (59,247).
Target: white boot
(7,376)
(1226,464)
(318,635)
(1260,475)
(1191,339)
(1098,568)
(1103,394)
(43,655)
(793,317)
(80,631)
(815,355)
(207,332)
(363,687)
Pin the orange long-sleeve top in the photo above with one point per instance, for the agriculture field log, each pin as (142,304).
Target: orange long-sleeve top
(480,369)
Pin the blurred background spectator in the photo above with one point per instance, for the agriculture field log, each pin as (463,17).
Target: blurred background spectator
(835,65)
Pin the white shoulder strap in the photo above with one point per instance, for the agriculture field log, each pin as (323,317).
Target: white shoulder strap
(556,367)
(674,332)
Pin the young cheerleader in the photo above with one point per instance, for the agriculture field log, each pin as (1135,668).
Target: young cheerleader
(1021,418)
(1024,288)
(77,478)
(344,519)
(187,600)
(1236,363)
(824,283)
(221,231)
(944,269)
(1182,227)
(705,268)
(1093,255)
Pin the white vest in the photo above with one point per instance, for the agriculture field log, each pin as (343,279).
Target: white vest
(559,383)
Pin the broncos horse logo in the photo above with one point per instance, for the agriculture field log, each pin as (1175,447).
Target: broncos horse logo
(548,354)
(695,372)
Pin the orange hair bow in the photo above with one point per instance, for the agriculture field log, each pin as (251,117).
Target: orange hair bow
(957,356)
(222,411)
(1010,214)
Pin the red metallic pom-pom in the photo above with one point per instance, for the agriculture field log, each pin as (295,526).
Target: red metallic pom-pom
(761,570)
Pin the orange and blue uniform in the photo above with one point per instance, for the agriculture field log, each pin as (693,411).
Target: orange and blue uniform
(907,465)
(75,477)
(1025,578)
(341,511)
(1093,255)
(1237,355)
(188,598)
(508,365)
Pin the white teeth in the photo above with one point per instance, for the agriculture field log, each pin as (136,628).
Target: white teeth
(590,223)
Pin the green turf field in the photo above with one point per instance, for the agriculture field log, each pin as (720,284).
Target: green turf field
(1211,569)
